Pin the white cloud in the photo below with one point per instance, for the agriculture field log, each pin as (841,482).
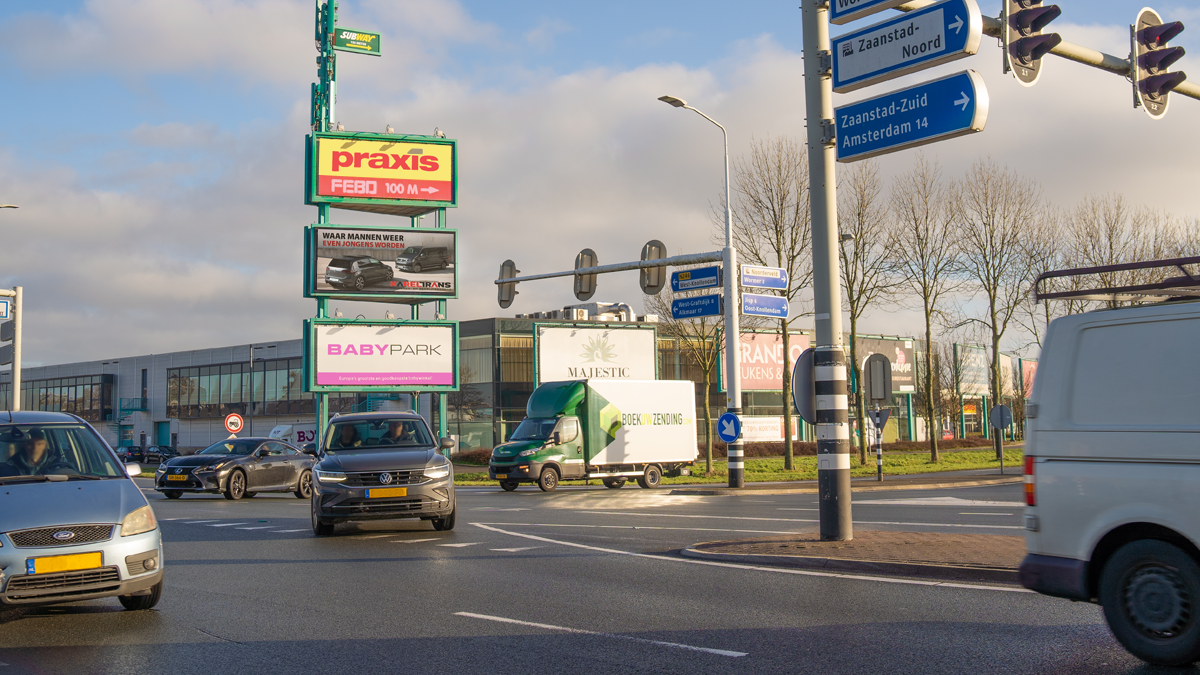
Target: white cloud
(543,35)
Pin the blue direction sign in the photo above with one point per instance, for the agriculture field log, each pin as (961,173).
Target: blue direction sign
(729,427)
(695,279)
(4,308)
(937,110)
(917,40)
(764,305)
(764,277)
(694,308)
(845,11)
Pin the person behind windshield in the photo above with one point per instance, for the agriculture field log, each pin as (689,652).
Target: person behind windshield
(398,433)
(347,437)
(35,459)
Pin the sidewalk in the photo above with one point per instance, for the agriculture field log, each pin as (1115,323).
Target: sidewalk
(959,557)
(919,481)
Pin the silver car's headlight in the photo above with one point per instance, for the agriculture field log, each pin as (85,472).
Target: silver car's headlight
(138,521)
(440,471)
(330,476)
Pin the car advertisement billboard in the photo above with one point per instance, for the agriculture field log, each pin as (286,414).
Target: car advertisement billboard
(382,173)
(762,360)
(571,353)
(381,263)
(360,355)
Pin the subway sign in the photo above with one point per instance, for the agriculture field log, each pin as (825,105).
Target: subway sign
(358,41)
(382,173)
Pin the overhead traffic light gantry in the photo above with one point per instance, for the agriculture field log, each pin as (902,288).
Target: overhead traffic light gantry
(1023,40)
(1150,61)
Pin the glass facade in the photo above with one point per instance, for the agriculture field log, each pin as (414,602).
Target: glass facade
(90,397)
(271,387)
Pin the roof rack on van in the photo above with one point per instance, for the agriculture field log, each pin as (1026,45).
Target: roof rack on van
(1149,280)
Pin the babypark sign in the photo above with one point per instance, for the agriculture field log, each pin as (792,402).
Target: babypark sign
(397,175)
(364,356)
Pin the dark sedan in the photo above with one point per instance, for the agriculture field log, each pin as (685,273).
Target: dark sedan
(237,468)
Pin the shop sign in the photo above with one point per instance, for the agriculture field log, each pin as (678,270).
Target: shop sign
(382,173)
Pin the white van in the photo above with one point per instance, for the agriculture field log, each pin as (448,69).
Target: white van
(1112,463)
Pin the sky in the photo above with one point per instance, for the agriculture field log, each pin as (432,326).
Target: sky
(155,147)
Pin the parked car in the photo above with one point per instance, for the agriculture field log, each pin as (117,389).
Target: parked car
(384,465)
(132,454)
(1112,466)
(238,468)
(73,526)
(157,454)
(357,271)
(423,258)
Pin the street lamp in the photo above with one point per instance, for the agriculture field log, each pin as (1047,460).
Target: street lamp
(9,206)
(733,385)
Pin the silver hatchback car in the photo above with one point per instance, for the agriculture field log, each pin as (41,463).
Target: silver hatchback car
(73,525)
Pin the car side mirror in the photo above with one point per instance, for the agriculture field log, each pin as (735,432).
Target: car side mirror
(310,449)
(262,452)
(133,469)
(447,443)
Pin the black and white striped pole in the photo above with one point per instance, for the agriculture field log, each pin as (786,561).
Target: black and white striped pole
(829,360)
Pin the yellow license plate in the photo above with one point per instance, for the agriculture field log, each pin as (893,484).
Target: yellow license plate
(501,475)
(387,492)
(65,563)
(174,477)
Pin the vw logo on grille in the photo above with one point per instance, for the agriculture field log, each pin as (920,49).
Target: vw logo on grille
(385,478)
(64,535)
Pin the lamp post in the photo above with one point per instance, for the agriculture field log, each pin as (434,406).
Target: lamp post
(733,385)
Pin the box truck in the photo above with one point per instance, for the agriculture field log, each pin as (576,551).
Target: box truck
(612,430)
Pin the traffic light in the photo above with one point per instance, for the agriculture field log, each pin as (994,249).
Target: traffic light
(506,292)
(1024,42)
(585,284)
(653,279)
(1151,57)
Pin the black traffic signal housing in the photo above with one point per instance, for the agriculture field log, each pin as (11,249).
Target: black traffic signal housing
(1023,41)
(1150,60)
(506,292)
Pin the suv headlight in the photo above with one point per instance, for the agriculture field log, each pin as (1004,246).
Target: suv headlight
(330,476)
(138,521)
(526,453)
(440,471)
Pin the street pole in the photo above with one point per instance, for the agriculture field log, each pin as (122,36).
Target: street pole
(833,436)
(18,311)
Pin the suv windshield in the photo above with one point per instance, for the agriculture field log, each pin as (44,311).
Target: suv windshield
(532,429)
(378,433)
(57,449)
(230,447)
(411,252)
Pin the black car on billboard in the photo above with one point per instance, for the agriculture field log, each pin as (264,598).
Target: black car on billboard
(357,272)
(423,258)
(237,468)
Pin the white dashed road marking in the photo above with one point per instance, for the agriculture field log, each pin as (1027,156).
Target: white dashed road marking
(411,541)
(579,631)
(303,529)
(262,527)
(227,524)
(461,545)
(515,550)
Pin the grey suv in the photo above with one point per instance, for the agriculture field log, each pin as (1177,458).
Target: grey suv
(379,466)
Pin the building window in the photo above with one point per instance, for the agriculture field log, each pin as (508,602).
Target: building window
(274,387)
(516,359)
(89,397)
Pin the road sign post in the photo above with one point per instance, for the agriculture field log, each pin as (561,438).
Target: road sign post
(10,331)
(877,386)
(923,38)
(880,418)
(1000,418)
(234,423)
(938,110)
(729,427)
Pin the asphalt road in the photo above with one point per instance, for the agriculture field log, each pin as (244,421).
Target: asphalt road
(582,580)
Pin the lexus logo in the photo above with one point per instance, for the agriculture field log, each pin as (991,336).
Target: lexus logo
(64,535)
(385,478)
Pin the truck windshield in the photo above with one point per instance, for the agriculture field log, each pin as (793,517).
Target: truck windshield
(532,429)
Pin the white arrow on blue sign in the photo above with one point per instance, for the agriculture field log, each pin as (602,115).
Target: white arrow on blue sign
(694,308)
(4,308)
(729,427)
(918,40)
(933,111)
(845,11)
(695,279)
(764,305)
(764,277)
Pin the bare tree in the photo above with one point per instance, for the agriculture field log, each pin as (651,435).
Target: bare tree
(925,253)
(863,223)
(772,227)
(700,340)
(996,210)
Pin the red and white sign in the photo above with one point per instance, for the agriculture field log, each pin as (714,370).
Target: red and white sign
(385,169)
(762,360)
(234,423)
(767,429)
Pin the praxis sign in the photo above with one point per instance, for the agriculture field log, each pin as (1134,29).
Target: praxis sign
(381,173)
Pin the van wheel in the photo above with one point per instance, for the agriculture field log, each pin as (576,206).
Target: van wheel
(614,483)
(509,485)
(416,268)
(548,480)
(137,602)
(1149,590)
(172,494)
(651,479)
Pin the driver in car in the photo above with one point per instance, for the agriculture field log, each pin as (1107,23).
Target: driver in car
(348,437)
(398,433)
(35,459)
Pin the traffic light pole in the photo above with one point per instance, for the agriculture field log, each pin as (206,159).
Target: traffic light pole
(829,361)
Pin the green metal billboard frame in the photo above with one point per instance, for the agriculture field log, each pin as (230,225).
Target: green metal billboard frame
(310,357)
(406,298)
(392,207)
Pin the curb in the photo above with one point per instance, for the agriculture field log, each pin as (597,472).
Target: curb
(734,492)
(922,570)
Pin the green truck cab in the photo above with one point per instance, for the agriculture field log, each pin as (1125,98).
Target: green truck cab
(612,430)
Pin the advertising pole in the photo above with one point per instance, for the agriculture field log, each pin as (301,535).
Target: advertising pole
(18,319)
(833,436)
(327,20)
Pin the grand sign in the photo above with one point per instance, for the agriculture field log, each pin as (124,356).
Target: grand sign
(382,173)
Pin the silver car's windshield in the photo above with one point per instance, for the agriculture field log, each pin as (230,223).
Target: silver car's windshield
(534,429)
(33,450)
(378,433)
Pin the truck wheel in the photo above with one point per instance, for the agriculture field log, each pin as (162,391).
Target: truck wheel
(1149,590)
(509,485)
(614,483)
(651,479)
(548,480)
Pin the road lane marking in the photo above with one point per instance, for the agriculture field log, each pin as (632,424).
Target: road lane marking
(985,514)
(493,508)
(376,536)
(936,501)
(227,524)
(800,520)
(197,522)
(653,527)
(580,631)
(781,509)
(260,527)
(473,543)
(515,550)
(411,541)
(741,566)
